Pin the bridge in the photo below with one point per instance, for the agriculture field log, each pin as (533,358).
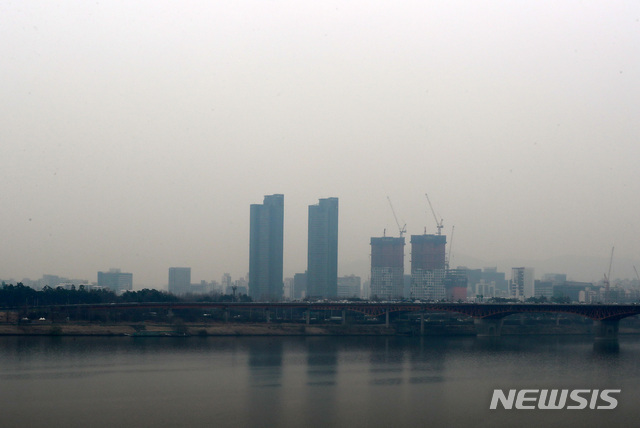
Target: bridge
(488,317)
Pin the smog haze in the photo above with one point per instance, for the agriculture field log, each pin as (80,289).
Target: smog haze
(135,135)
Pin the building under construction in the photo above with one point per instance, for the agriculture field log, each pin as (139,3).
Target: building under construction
(428,251)
(387,267)
(428,267)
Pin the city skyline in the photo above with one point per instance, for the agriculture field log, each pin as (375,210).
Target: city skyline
(430,248)
(138,143)
(428,252)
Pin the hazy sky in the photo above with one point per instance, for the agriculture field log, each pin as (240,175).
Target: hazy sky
(137,134)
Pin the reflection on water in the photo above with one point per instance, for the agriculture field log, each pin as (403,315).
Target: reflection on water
(320,387)
(264,394)
(312,381)
(606,347)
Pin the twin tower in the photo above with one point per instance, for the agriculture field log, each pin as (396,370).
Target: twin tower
(266,249)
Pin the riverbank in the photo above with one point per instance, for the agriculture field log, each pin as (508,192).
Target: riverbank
(192,329)
(271,329)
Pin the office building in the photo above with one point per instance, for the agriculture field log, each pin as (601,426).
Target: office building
(491,275)
(522,283)
(266,249)
(387,268)
(543,289)
(349,287)
(428,267)
(225,282)
(455,285)
(115,280)
(299,286)
(487,282)
(483,290)
(242,287)
(365,292)
(555,278)
(322,254)
(52,280)
(179,280)
(572,289)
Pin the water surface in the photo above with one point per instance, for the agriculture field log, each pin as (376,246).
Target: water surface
(305,381)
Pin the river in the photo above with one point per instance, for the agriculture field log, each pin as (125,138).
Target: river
(306,381)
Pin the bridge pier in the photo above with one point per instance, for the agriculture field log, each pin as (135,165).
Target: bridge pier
(226,315)
(344,317)
(488,327)
(606,329)
(386,322)
(308,317)
(421,323)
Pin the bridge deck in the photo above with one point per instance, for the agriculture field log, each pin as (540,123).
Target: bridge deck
(476,310)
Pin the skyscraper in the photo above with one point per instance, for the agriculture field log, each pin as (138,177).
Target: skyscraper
(179,280)
(428,266)
(387,267)
(265,249)
(322,254)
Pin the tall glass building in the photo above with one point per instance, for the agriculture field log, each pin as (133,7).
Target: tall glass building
(265,249)
(179,280)
(322,253)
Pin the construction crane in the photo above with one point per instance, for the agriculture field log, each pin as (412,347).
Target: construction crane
(637,276)
(448,259)
(438,223)
(607,278)
(401,230)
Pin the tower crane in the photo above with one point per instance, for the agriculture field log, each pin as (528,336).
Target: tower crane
(439,225)
(401,230)
(448,259)
(607,278)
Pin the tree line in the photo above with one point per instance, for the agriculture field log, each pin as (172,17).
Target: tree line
(19,295)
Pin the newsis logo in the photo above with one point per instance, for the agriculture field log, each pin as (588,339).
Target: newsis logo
(555,399)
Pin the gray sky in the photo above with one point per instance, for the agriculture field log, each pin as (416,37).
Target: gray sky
(137,134)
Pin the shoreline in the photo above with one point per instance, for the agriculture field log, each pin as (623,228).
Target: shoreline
(189,330)
(272,329)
